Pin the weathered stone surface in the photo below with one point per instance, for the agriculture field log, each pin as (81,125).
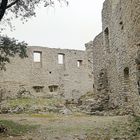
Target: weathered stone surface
(26,78)
(109,68)
(116,56)
(65,111)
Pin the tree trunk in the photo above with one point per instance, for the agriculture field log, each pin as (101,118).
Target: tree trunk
(3,8)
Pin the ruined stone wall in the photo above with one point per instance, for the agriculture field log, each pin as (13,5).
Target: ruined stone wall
(121,42)
(89,54)
(98,62)
(71,79)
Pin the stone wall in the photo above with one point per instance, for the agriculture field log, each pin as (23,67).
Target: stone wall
(116,51)
(70,80)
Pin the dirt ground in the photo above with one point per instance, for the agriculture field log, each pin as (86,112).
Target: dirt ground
(72,127)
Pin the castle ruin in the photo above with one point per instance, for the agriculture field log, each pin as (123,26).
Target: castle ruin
(109,66)
(48,71)
(116,55)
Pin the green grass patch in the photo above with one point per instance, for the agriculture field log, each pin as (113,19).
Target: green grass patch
(80,114)
(33,101)
(20,102)
(15,129)
(49,115)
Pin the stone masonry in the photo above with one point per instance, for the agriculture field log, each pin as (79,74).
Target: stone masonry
(70,78)
(110,66)
(116,55)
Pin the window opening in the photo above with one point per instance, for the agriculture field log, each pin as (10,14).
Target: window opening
(126,73)
(106,33)
(126,79)
(38,88)
(53,88)
(79,63)
(37,56)
(61,58)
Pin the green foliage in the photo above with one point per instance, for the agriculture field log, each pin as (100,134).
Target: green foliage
(15,128)
(9,47)
(24,9)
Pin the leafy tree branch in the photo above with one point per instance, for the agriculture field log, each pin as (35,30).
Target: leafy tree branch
(9,47)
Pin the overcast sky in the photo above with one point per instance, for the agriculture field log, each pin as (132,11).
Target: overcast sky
(62,27)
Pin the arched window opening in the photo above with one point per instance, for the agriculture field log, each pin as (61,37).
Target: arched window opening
(126,73)
(106,36)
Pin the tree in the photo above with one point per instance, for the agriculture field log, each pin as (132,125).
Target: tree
(9,47)
(22,9)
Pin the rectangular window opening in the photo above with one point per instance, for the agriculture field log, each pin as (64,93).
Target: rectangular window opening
(53,88)
(37,56)
(79,63)
(38,88)
(61,58)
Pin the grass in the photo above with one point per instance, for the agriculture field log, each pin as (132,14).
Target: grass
(15,129)
(100,128)
(30,105)
(31,101)
(69,129)
(121,129)
(49,115)
(20,101)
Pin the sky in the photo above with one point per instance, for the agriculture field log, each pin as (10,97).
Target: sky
(68,27)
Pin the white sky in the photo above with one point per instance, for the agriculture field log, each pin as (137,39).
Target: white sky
(62,27)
